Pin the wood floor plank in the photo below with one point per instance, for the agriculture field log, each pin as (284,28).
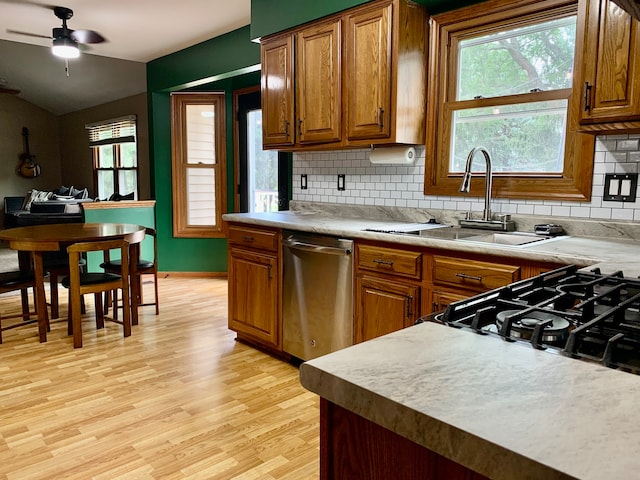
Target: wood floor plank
(179,399)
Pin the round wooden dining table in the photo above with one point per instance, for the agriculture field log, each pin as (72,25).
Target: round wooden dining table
(37,239)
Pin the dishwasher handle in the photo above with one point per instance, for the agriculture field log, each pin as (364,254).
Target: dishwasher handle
(310,247)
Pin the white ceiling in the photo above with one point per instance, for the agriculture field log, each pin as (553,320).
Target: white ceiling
(136,31)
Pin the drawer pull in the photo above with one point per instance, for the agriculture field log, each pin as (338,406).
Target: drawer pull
(379,261)
(469,277)
(247,238)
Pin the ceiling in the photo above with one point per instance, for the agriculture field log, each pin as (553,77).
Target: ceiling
(136,32)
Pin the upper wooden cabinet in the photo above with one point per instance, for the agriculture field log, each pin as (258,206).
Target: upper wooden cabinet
(359,78)
(318,84)
(610,68)
(369,65)
(277,91)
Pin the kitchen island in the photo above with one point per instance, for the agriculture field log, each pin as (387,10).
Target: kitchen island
(506,411)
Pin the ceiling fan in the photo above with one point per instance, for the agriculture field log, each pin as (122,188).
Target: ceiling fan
(65,40)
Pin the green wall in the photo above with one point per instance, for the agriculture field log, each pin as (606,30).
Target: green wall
(136,215)
(272,16)
(224,63)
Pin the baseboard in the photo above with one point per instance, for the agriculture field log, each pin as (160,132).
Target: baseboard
(193,274)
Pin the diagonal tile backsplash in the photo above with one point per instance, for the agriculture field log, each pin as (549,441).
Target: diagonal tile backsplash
(401,186)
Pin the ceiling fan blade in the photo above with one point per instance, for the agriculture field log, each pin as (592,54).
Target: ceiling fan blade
(28,34)
(11,91)
(87,36)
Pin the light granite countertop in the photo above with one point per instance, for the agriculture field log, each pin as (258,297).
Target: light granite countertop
(608,245)
(507,411)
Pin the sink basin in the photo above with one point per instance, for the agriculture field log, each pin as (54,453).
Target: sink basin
(447,232)
(507,238)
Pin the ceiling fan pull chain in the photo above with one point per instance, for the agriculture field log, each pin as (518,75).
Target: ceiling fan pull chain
(66,66)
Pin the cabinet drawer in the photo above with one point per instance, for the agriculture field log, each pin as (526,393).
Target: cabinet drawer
(390,260)
(253,237)
(472,274)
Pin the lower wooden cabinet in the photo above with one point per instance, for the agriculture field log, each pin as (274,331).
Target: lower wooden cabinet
(384,306)
(355,448)
(253,296)
(440,300)
(254,272)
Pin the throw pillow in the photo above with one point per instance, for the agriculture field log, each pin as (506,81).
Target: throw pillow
(79,194)
(35,196)
(63,190)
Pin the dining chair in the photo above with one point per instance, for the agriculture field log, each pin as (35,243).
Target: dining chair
(143,267)
(82,282)
(56,264)
(13,281)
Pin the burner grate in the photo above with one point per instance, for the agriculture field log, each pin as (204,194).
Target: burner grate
(584,315)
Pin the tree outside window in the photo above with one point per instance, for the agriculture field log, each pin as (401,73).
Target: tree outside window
(502,78)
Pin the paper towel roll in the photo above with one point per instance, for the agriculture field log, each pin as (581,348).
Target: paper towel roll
(392,156)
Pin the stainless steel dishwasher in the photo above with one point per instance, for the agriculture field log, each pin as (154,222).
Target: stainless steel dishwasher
(317,307)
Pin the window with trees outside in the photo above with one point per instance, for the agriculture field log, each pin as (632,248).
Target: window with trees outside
(198,160)
(506,84)
(115,157)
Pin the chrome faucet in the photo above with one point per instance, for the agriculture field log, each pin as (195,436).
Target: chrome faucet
(488,181)
(504,223)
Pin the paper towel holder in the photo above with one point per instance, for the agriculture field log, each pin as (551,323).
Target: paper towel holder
(392,155)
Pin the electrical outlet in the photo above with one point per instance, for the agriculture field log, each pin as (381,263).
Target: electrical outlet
(620,187)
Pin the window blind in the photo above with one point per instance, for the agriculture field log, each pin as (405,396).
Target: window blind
(111,132)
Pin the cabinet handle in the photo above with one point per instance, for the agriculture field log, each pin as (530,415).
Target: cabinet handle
(469,277)
(300,128)
(381,118)
(434,306)
(286,128)
(269,277)
(380,261)
(409,303)
(247,238)
(587,96)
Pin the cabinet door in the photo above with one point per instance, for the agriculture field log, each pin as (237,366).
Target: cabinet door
(318,83)
(611,89)
(253,296)
(440,300)
(368,74)
(277,91)
(383,307)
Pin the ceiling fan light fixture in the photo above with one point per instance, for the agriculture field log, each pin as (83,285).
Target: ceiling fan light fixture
(65,47)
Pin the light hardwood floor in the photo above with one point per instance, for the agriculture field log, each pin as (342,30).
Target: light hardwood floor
(178,399)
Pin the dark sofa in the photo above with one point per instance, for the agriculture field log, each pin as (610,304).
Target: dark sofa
(41,213)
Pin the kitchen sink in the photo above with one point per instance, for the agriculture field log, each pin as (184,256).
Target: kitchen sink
(513,239)
(447,232)
(506,238)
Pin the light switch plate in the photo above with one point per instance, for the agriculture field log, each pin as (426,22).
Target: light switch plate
(620,187)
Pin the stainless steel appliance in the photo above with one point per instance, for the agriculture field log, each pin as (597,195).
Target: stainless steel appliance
(580,314)
(317,307)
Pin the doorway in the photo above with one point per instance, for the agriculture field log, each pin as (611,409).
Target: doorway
(262,176)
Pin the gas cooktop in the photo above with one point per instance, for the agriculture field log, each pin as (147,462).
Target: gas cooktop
(580,314)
